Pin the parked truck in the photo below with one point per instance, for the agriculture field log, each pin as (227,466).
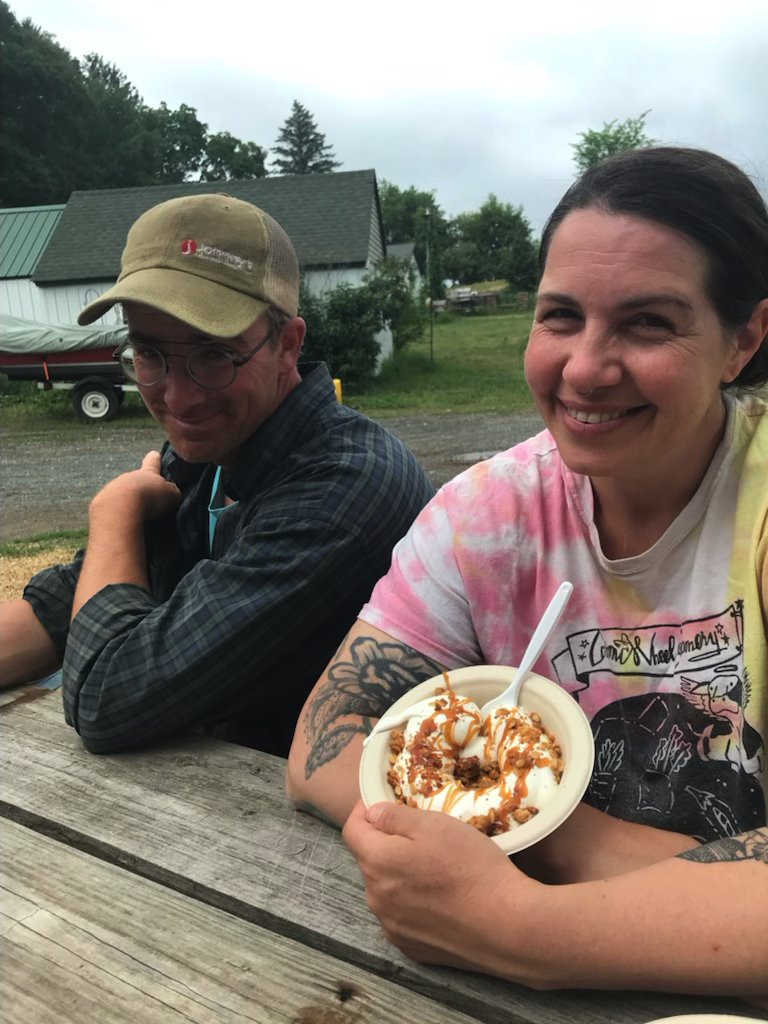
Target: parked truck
(67,357)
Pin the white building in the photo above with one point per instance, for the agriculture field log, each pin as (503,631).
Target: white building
(71,254)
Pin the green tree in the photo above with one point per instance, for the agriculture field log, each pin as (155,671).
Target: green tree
(68,124)
(614,137)
(227,158)
(301,148)
(177,143)
(494,242)
(44,110)
(413,215)
(116,141)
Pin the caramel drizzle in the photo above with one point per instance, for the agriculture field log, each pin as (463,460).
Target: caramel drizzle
(426,760)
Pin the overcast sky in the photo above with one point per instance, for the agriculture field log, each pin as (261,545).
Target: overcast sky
(462,99)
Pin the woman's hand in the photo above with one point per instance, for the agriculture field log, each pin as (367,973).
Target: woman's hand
(446,894)
(438,886)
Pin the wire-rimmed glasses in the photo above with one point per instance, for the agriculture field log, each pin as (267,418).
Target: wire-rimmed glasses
(211,366)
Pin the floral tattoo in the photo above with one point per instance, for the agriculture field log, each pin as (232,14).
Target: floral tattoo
(374,677)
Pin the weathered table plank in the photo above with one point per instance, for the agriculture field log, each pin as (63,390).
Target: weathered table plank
(211,820)
(87,942)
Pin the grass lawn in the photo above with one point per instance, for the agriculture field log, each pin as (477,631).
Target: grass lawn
(30,547)
(473,364)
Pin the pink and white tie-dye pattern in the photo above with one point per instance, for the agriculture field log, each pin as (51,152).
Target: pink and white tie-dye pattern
(678,631)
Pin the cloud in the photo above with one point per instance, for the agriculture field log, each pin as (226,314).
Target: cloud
(453,99)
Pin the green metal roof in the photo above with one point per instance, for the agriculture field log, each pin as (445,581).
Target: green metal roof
(328,217)
(24,234)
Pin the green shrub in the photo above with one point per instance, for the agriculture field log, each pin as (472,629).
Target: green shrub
(343,321)
(341,325)
(403,306)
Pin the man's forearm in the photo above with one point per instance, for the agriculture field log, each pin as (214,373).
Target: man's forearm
(115,554)
(116,519)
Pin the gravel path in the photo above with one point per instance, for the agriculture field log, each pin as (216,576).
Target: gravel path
(48,479)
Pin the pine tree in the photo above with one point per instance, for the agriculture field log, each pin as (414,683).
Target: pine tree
(301,147)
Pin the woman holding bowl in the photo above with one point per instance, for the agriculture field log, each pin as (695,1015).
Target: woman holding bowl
(649,490)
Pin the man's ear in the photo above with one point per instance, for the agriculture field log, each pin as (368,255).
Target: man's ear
(291,340)
(748,340)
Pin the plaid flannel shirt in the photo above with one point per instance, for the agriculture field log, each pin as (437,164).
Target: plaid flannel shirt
(231,641)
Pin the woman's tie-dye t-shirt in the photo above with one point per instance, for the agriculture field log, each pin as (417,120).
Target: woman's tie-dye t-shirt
(666,652)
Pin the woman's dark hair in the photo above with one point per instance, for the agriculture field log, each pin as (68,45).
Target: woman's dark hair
(702,196)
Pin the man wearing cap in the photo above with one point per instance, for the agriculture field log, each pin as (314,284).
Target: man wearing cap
(220,576)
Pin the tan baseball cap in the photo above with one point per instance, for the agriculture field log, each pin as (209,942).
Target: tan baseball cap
(213,261)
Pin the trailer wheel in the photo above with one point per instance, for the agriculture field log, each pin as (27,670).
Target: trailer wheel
(95,401)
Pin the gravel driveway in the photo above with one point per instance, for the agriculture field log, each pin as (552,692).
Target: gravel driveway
(48,480)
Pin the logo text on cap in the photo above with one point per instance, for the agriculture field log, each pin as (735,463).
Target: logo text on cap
(191,248)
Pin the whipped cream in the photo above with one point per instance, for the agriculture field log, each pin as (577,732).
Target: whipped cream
(495,775)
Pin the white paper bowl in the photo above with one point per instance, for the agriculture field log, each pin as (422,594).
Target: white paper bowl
(707,1018)
(560,714)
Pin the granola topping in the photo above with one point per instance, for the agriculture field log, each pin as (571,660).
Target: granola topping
(493,774)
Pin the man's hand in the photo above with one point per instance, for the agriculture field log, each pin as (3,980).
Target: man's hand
(438,886)
(115,552)
(141,492)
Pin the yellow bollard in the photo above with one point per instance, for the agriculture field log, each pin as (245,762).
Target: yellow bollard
(337,385)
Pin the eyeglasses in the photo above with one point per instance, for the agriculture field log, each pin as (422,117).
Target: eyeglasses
(210,366)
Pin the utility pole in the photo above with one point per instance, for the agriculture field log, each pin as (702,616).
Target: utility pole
(428,225)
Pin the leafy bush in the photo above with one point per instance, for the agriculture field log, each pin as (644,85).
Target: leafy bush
(343,321)
(341,324)
(393,286)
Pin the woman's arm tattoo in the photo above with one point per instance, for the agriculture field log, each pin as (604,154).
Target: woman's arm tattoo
(751,845)
(374,676)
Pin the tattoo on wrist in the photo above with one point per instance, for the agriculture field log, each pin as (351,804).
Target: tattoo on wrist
(751,845)
(374,676)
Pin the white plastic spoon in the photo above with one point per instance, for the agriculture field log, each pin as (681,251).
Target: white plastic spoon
(508,698)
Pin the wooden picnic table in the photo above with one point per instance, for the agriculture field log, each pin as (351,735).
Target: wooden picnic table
(178,883)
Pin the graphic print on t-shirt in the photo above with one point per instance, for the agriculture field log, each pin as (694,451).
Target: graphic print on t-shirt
(673,747)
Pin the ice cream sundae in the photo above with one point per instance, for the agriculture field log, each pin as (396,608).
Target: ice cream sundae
(494,774)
